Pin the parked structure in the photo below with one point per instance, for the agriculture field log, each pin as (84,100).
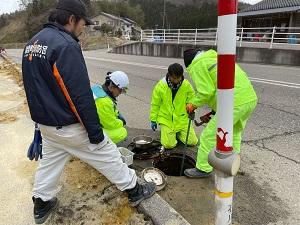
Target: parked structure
(271,13)
(118,24)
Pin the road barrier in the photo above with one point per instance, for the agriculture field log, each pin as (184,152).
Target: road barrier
(259,36)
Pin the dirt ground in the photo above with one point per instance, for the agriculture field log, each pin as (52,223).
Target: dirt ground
(86,197)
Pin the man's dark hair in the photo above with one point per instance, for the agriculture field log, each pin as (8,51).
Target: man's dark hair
(61,16)
(175,69)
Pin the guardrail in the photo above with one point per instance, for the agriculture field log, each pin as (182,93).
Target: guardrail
(268,35)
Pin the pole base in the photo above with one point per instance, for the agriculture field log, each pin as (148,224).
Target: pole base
(227,163)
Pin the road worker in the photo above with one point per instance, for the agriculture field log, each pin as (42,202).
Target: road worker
(168,108)
(105,96)
(202,68)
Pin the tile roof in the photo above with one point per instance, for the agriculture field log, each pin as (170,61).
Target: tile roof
(272,4)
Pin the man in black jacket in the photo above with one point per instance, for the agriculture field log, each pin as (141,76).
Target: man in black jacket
(60,100)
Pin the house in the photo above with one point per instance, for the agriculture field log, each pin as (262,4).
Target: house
(271,13)
(125,25)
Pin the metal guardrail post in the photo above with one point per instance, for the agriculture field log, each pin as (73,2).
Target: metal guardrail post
(216,39)
(141,35)
(178,36)
(152,33)
(272,39)
(196,32)
(164,35)
(242,33)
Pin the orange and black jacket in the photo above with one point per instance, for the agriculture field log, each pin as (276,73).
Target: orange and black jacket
(53,67)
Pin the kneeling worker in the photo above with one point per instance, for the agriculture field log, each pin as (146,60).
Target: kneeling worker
(105,97)
(168,108)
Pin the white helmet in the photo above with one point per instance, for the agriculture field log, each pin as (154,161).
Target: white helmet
(120,79)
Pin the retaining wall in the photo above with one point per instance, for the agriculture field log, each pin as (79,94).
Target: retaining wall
(244,54)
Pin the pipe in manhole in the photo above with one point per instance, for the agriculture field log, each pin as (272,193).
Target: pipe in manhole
(171,164)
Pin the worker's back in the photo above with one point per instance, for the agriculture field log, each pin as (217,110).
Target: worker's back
(203,71)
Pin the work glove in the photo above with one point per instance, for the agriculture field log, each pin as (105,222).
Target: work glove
(121,117)
(35,148)
(153,125)
(190,108)
(206,118)
(192,116)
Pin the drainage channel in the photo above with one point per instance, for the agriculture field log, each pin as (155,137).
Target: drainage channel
(169,162)
(171,165)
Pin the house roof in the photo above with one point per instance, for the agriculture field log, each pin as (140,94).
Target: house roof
(113,17)
(271,6)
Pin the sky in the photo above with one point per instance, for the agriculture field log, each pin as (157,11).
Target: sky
(7,6)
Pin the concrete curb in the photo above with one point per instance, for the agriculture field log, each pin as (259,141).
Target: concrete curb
(160,212)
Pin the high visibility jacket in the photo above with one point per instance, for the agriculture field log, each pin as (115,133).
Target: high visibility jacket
(107,109)
(171,113)
(203,71)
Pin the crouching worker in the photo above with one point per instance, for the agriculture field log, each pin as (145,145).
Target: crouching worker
(105,97)
(168,108)
(202,68)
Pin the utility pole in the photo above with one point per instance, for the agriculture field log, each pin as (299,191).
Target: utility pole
(164,15)
(225,161)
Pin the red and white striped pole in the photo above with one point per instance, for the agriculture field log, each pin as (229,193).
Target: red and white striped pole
(225,162)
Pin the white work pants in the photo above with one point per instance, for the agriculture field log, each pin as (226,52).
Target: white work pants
(60,144)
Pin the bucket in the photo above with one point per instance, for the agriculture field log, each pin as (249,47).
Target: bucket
(127,155)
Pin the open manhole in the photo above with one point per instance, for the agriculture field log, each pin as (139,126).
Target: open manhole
(171,164)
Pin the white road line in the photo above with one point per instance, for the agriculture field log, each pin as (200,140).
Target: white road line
(258,80)
(128,63)
(276,84)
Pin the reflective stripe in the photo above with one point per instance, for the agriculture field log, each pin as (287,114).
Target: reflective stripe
(211,67)
(223,194)
(63,88)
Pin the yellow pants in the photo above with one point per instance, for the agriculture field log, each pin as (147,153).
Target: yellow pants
(168,136)
(116,135)
(208,136)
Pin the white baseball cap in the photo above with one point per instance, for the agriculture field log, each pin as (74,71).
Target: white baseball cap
(120,79)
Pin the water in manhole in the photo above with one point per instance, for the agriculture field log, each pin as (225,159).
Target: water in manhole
(171,165)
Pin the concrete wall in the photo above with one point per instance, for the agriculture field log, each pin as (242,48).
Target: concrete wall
(244,54)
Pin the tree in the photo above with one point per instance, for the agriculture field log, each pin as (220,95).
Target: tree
(105,28)
(3,21)
(119,33)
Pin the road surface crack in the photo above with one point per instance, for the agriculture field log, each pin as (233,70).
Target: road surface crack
(260,144)
(281,110)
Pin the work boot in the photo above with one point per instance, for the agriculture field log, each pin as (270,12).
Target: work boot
(42,209)
(140,192)
(196,173)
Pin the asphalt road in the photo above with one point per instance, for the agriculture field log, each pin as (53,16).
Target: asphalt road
(270,150)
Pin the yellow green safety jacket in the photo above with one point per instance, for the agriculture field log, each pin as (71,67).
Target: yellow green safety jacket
(171,113)
(203,71)
(106,109)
